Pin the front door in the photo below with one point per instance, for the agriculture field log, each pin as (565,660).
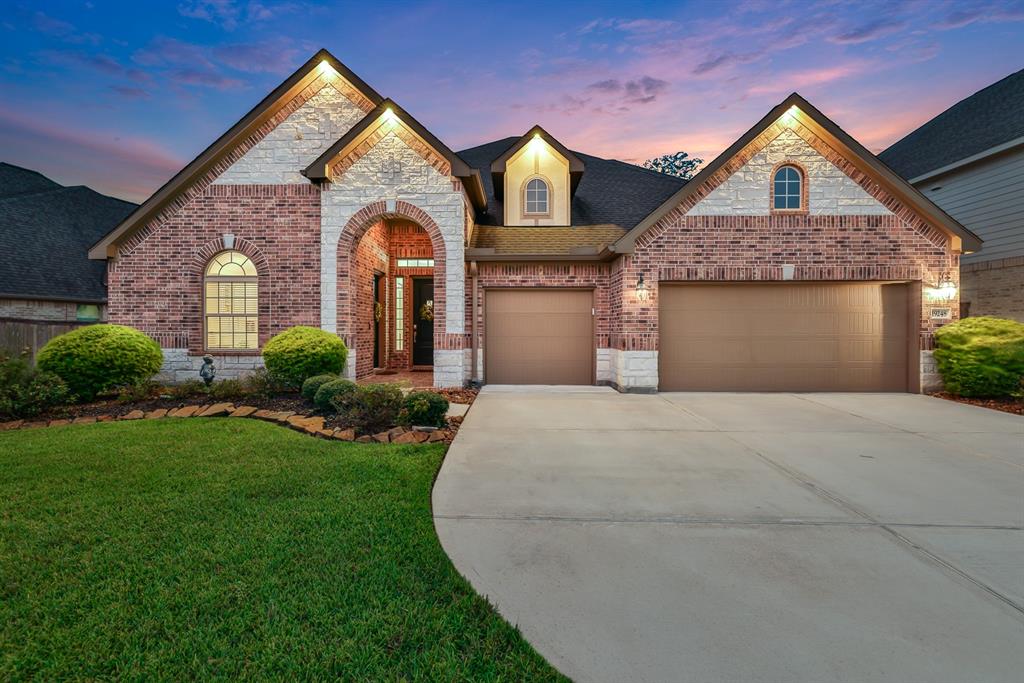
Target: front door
(423,321)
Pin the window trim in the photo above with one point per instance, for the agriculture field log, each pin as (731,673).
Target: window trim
(522,197)
(206,278)
(802,172)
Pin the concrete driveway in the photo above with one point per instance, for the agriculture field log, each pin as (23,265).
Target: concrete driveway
(744,537)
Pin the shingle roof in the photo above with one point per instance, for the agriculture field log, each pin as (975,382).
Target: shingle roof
(986,119)
(15,180)
(45,235)
(610,192)
(547,241)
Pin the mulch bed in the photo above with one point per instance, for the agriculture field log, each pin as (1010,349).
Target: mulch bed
(1006,405)
(283,403)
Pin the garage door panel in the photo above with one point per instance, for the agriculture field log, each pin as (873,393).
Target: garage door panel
(538,336)
(784,337)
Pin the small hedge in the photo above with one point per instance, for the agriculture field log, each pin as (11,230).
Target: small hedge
(26,391)
(311,385)
(372,408)
(981,357)
(332,397)
(97,358)
(299,353)
(424,409)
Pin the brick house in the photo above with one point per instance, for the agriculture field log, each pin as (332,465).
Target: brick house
(969,160)
(793,261)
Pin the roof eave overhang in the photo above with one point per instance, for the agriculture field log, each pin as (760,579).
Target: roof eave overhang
(962,239)
(319,170)
(489,255)
(498,166)
(107,247)
(69,299)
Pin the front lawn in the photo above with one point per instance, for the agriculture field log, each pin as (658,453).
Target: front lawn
(223,548)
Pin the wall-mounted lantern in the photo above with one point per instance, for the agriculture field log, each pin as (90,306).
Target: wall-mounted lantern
(944,290)
(643,293)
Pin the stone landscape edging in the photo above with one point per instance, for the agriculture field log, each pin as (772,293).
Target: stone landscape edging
(313,425)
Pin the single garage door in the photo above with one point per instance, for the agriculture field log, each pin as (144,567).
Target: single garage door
(539,336)
(784,337)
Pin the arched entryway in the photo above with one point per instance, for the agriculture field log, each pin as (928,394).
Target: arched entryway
(391,290)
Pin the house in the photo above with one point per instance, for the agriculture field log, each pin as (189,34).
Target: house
(793,261)
(970,161)
(47,282)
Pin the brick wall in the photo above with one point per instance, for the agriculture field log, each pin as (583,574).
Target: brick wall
(370,258)
(156,284)
(994,288)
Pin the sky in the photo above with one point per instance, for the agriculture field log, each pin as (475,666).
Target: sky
(120,95)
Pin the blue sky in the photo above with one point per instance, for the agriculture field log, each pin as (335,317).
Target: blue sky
(120,95)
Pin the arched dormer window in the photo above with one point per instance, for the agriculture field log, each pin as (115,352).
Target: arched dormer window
(231,302)
(536,201)
(788,189)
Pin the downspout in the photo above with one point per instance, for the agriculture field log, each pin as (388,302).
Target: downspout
(475,376)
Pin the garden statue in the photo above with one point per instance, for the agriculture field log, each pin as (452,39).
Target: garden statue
(208,372)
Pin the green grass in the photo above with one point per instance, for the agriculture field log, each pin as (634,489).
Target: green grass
(195,548)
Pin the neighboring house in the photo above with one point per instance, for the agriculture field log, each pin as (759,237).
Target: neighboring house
(970,161)
(793,261)
(47,281)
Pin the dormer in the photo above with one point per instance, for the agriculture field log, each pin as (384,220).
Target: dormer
(536,180)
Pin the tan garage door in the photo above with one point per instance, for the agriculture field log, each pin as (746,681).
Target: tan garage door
(539,336)
(783,337)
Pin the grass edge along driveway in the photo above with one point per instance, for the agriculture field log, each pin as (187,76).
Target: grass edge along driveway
(226,549)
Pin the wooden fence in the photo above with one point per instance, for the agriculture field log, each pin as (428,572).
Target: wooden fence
(17,336)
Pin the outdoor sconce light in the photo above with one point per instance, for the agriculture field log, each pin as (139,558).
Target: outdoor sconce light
(945,290)
(642,292)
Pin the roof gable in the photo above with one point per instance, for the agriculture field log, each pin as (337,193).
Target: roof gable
(796,112)
(387,114)
(499,165)
(319,65)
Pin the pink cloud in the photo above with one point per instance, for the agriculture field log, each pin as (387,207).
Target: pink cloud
(123,166)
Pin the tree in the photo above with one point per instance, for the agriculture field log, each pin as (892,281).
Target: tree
(679,164)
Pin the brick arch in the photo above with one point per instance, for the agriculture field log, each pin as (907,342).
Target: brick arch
(202,256)
(353,232)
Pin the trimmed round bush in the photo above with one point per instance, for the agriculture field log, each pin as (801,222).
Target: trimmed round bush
(333,396)
(424,409)
(311,385)
(96,358)
(299,353)
(981,357)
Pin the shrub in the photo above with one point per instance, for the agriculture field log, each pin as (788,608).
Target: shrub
(139,391)
(299,353)
(26,391)
(97,358)
(424,408)
(332,397)
(372,407)
(186,389)
(225,389)
(260,384)
(311,385)
(982,357)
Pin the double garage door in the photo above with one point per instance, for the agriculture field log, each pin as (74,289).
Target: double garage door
(717,337)
(784,337)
